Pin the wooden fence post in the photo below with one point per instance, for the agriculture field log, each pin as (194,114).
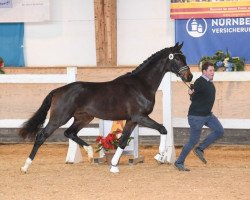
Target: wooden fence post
(106,32)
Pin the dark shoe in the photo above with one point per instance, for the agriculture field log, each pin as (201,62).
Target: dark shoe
(200,154)
(181,167)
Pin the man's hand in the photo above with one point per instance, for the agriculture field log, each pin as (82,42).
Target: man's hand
(191,91)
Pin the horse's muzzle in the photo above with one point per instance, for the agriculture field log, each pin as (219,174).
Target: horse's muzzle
(187,77)
(190,77)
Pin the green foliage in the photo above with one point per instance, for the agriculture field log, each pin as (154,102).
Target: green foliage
(223,61)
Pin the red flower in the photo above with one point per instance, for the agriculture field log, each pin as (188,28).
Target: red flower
(98,139)
(110,142)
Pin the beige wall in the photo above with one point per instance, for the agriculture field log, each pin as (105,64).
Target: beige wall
(232,100)
(19,101)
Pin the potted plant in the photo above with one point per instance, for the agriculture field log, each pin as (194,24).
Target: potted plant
(1,66)
(110,143)
(224,61)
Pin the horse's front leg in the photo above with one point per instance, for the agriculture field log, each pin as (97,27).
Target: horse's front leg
(129,127)
(146,121)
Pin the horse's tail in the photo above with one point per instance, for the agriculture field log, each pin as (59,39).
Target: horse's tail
(34,124)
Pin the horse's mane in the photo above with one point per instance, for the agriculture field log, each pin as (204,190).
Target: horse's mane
(148,61)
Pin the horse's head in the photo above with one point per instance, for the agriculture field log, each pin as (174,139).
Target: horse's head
(178,64)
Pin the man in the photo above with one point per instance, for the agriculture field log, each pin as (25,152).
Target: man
(202,96)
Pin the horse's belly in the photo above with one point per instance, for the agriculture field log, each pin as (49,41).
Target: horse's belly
(109,112)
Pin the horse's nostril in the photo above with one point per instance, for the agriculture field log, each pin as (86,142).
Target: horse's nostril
(190,77)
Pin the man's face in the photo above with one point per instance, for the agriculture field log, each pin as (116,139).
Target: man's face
(209,72)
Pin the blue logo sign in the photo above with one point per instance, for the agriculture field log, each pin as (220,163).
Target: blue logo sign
(204,37)
(196,27)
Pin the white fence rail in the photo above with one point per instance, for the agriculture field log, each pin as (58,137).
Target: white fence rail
(165,87)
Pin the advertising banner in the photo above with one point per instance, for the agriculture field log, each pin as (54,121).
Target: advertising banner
(204,37)
(5,3)
(24,11)
(185,9)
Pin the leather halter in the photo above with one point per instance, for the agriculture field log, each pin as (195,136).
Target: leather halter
(176,71)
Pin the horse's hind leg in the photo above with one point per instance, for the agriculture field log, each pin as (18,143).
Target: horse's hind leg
(80,121)
(39,140)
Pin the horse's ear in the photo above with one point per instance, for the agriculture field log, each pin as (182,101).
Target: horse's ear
(178,47)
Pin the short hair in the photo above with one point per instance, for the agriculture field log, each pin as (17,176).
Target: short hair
(1,60)
(205,65)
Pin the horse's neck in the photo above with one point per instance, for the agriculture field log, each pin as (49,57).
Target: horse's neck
(153,76)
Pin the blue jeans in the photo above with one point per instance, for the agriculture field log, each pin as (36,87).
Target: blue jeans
(196,123)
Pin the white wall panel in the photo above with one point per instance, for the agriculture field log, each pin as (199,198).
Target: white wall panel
(143,27)
(68,39)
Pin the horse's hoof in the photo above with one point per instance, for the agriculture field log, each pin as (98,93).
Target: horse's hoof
(161,158)
(90,159)
(23,170)
(90,153)
(114,169)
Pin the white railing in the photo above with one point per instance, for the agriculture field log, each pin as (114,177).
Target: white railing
(74,153)
(40,78)
(219,76)
(165,87)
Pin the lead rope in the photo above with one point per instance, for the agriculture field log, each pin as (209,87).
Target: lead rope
(189,86)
